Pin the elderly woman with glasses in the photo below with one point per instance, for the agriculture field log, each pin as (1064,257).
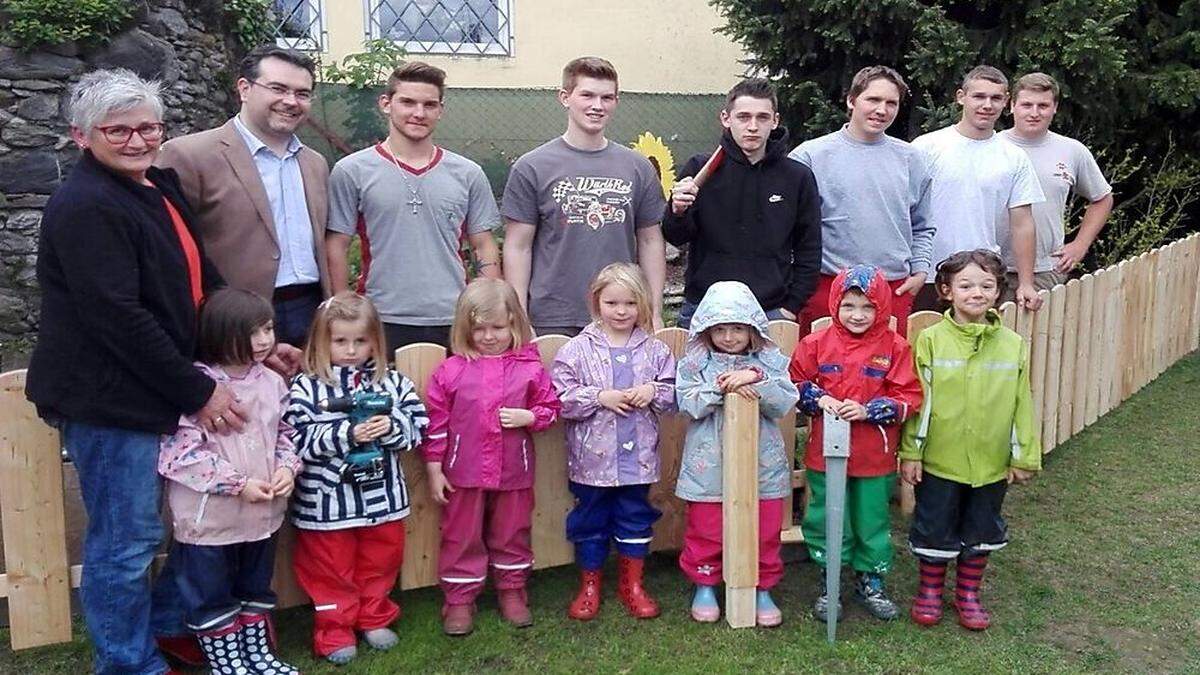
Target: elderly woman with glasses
(122,277)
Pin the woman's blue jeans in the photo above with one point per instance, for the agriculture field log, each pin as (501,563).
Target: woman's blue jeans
(118,479)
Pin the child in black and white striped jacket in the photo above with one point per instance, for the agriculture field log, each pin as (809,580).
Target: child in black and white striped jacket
(350,539)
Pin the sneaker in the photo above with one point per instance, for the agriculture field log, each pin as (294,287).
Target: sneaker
(343,656)
(821,606)
(382,639)
(869,592)
(704,605)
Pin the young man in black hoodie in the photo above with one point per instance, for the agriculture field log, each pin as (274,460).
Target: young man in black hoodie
(757,217)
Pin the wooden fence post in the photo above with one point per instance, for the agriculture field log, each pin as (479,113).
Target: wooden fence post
(739,509)
(37,575)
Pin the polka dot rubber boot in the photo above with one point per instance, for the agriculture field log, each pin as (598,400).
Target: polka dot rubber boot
(256,647)
(223,651)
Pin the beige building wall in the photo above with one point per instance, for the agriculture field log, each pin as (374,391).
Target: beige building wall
(656,45)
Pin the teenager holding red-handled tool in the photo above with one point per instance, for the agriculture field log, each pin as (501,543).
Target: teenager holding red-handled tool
(747,212)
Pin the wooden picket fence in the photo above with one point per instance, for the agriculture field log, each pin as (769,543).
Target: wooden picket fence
(1096,341)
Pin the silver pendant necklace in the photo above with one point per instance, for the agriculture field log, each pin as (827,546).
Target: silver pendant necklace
(414,200)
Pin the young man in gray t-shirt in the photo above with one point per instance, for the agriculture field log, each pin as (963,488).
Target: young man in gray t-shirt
(578,203)
(411,203)
(1064,166)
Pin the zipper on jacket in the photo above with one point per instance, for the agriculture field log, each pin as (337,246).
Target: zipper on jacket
(525,455)
(454,453)
(200,510)
(883,432)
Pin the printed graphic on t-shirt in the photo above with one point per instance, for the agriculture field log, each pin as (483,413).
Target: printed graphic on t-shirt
(593,201)
(1062,171)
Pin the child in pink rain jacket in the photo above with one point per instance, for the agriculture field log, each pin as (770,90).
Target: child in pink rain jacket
(484,403)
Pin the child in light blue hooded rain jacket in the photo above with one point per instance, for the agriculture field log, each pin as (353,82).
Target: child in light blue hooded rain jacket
(730,351)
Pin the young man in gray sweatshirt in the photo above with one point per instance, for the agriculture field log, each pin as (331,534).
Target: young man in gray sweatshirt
(874,196)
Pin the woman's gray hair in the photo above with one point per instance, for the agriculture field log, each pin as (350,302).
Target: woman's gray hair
(100,93)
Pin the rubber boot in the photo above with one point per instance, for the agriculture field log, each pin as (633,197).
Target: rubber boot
(704,605)
(927,605)
(223,651)
(971,614)
(514,607)
(766,612)
(630,590)
(458,620)
(253,638)
(586,604)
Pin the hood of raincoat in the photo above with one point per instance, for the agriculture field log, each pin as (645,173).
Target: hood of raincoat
(727,302)
(868,280)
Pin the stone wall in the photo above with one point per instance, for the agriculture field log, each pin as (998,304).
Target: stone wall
(174,41)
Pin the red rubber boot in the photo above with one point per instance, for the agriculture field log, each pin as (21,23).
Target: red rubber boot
(927,605)
(630,590)
(971,614)
(586,604)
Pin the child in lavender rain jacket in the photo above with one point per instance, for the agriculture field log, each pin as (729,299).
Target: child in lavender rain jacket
(614,379)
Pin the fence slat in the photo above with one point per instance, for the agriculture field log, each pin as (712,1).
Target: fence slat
(1054,357)
(1109,356)
(786,334)
(1083,351)
(1150,307)
(1038,353)
(1008,315)
(552,498)
(1070,348)
(34,522)
(917,322)
(668,531)
(739,509)
(1194,325)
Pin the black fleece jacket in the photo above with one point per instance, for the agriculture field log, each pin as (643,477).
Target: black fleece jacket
(118,327)
(755,223)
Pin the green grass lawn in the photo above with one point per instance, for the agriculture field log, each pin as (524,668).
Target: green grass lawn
(1101,575)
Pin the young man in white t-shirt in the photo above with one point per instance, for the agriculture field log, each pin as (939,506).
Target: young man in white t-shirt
(1064,167)
(982,185)
(411,203)
(578,203)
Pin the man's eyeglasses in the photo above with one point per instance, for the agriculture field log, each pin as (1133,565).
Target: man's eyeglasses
(119,134)
(302,95)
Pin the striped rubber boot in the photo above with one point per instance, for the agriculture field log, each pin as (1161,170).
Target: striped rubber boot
(971,614)
(927,605)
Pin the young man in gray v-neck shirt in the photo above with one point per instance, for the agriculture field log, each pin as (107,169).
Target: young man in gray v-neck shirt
(411,203)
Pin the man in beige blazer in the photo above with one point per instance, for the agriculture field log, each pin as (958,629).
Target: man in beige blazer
(261,197)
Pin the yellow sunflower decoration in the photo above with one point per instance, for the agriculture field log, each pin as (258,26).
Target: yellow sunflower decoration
(653,149)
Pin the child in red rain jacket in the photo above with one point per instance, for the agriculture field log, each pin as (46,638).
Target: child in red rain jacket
(483,404)
(862,371)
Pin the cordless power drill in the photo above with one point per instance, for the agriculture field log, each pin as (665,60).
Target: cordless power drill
(364,464)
